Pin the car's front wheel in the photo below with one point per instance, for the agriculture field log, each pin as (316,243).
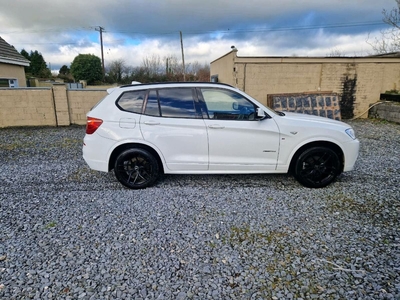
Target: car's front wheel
(317,167)
(136,168)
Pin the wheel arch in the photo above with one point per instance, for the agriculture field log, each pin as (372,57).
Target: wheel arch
(327,144)
(123,147)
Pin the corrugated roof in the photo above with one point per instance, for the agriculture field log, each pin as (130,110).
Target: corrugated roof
(8,54)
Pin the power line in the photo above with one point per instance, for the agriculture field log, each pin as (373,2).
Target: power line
(237,30)
(228,31)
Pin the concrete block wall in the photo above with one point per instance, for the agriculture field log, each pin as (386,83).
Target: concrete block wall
(260,80)
(54,106)
(81,101)
(27,107)
(358,81)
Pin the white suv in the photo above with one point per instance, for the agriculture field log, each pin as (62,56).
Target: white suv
(142,130)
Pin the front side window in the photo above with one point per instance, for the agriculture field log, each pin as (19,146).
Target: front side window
(227,105)
(177,103)
(132,101)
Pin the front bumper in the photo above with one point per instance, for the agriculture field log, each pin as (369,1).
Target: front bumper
(351,150)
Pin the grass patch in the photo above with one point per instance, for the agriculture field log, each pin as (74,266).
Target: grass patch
(239,235)
(68,142)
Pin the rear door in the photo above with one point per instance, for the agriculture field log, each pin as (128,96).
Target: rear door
(172,122)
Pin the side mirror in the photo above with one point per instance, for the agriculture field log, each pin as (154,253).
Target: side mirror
(260,114)
(235,106)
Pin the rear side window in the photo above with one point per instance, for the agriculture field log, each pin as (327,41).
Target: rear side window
(132,101)
(152,108)
(171,103)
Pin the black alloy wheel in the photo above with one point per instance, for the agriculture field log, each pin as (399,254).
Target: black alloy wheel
(136,168)
(317,167)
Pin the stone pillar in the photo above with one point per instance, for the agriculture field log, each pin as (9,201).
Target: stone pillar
(61,106)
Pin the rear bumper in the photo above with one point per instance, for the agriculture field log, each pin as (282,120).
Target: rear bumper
(96,152)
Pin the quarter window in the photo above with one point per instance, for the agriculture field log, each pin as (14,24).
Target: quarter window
(132,101)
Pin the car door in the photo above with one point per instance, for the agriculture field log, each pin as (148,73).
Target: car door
(238,140)
(172,123)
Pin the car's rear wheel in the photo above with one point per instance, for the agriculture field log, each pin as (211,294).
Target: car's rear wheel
(136,168)
(317,167)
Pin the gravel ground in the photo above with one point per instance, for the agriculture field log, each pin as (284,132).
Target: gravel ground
(67,232)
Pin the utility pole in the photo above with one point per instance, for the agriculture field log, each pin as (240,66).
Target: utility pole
(183,58)
(101,29)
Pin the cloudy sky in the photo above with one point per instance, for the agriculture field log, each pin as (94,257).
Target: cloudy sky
(135,29)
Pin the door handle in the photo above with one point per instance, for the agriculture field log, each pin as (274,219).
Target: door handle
(151,123)
(216,126)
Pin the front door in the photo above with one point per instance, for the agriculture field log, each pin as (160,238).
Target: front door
(238,141)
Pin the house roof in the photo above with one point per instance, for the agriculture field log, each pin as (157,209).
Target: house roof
(9,55)
(392,54)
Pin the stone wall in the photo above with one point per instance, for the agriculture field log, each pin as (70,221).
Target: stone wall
(389,111)
(317,104)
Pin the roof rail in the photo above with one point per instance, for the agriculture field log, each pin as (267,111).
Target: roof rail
(175,82)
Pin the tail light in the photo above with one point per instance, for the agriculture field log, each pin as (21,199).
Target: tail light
(92,124)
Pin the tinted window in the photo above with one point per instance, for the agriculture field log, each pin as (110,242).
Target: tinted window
(152,108)
(227,105)
(132,101)
(177,103)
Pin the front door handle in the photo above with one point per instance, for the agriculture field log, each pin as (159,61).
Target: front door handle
(215,126)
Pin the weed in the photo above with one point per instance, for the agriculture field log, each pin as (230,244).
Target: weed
(52,224)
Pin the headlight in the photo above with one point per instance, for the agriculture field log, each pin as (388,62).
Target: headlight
(350,133)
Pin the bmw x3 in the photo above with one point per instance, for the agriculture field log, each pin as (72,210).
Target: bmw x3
(143,130)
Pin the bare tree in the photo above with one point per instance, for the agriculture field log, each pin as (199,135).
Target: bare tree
(152,65)
(116,70)
(335,52)
(199,72)
(392,17)
(173,65)
(389,41)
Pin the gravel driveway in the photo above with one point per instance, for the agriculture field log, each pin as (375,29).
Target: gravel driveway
(67,232)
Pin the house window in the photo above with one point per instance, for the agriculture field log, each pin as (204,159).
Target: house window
(4,83)
(8,83)
(214,78)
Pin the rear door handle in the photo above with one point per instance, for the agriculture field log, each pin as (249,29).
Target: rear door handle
(151,123)
(216,126)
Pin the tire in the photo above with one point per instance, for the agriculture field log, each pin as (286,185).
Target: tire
(317,167)
(136,168)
